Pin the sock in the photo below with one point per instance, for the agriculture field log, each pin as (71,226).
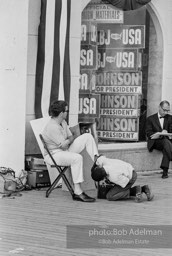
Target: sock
(133,191)
(77,189)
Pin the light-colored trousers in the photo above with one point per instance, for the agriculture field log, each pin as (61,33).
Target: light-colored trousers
(72,157)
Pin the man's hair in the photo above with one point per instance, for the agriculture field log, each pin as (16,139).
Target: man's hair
(164,102)
(57,107)
(98,173)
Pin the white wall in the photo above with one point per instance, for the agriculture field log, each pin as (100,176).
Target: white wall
(31,146)
(163,10)
(13,63)
(75,34)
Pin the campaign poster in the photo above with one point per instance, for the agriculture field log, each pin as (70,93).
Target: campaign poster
(120,36)
(88,57)
(87,81)
(118,128)
(119,105)
(89,107)
(117,59)
(88,33)
(103,13)
(119,82)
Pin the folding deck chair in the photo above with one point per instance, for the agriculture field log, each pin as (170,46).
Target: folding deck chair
(61,170)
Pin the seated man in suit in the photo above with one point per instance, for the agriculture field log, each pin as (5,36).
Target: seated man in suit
(156,123)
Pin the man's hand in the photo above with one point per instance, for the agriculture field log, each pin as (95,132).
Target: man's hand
(158,135)
(71,139)
(164,131)
(65,145)
(155,136)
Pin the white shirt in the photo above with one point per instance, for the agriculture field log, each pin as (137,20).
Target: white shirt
(119,172)
(54,134)
(161,120)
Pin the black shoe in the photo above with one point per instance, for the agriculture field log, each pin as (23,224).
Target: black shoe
(138,197)
(83,198)
(165,175)
(147,190)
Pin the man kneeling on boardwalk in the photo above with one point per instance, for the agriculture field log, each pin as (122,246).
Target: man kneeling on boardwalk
(123,176)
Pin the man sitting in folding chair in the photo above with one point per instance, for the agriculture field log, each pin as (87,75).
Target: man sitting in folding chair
(66,149)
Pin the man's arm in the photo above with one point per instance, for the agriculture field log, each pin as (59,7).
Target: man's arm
(149,128)
(68,141)
(150,131)
(71,139)
(170,123)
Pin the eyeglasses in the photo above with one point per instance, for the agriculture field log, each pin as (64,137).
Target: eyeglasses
(67,111)
(165,110)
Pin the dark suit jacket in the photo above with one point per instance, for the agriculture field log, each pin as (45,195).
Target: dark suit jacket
(153,125)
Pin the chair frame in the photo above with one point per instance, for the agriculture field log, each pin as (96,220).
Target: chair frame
(61,170)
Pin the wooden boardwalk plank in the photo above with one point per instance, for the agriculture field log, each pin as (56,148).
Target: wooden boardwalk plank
(37,224)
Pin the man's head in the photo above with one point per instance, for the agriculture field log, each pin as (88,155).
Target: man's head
(164,108)
(98,173)
(58,107)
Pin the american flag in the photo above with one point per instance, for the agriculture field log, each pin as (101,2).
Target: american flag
(53,63)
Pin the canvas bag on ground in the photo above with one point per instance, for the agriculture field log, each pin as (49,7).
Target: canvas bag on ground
(7,180)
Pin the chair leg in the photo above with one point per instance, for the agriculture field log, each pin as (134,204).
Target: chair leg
(61,175)
(60,169)
(68,184)
(52,186)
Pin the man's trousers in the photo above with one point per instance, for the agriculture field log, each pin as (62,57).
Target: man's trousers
(165,146)
(117,192)
(72,157)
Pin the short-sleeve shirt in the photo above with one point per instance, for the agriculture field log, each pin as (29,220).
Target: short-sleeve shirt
(54,134)
(119,172)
